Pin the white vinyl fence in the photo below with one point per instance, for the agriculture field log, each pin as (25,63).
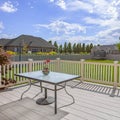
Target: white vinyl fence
(104,73)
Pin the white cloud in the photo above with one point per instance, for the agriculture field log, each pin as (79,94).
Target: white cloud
(103,8)
(61,3)
(75,39)
(9,36)
(78,5)
(8,7)
(109,36)
(105,23)
(51,0)
(106,9)
(105,15)
(73,5)
(62,27)
(108,12)
(96,39)
(96,21)
(109,32)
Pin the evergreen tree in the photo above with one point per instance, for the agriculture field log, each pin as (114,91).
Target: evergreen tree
(80,47)
(118,44)
(83,47)
(65,47)
(74,48)
(87,48)
(60,49)
(69,48)
(50,42)
(56,45)
(77,48)
(91,46)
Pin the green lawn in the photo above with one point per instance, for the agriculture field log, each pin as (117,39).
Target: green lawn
(101,61)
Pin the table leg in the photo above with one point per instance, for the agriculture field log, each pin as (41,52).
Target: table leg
(41,86)
(26,90)
(45,100)
(45,93)
(70,96)
(55,99)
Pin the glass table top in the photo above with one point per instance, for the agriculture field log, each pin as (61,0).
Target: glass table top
(52,77)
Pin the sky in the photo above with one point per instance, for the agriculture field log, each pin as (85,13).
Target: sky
(75,21)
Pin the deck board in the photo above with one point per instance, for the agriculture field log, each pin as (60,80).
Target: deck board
(28,109)
(91,102)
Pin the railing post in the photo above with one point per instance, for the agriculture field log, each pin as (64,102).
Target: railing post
(82,69)
(30,65)
(58,65)
(115,74)
(0,75)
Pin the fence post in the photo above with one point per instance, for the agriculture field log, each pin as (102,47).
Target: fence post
(82,69)
(58,65)
(0,75)
(115,74)
(30,65)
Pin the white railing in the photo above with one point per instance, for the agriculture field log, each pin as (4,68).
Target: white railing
(9,71)
(106,73)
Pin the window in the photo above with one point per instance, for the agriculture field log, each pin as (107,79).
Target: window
(34,49)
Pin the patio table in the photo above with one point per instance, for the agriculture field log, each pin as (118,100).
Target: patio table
(54,78)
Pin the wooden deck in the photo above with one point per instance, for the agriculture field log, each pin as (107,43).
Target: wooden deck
(92,101)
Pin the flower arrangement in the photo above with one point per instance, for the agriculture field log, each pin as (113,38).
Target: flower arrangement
(45,67)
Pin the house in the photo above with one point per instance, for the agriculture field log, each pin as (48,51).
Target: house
(100,52)
(32,43)
(109,49)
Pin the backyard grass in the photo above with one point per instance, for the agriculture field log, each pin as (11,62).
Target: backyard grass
(101,61)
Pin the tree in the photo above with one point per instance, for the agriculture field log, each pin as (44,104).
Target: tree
(91,46)
(50,42)
(69,48)
(78,48)
(88,48)
(83,47)
(74,48)
(65,47)
(60,49)
(56,45)
(118,45)
(25,49)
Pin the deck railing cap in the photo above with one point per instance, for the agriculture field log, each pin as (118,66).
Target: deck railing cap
(82,60)
(30,60)
(115,62)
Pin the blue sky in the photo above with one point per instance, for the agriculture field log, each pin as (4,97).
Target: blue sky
(75,21)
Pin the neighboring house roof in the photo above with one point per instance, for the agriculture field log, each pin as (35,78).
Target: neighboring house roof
(3,41)
(105,47)
(28,40)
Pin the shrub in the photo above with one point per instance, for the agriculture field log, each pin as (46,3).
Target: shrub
(5,60)
(52,53)
(46,53)
(11,52)
(4,57)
